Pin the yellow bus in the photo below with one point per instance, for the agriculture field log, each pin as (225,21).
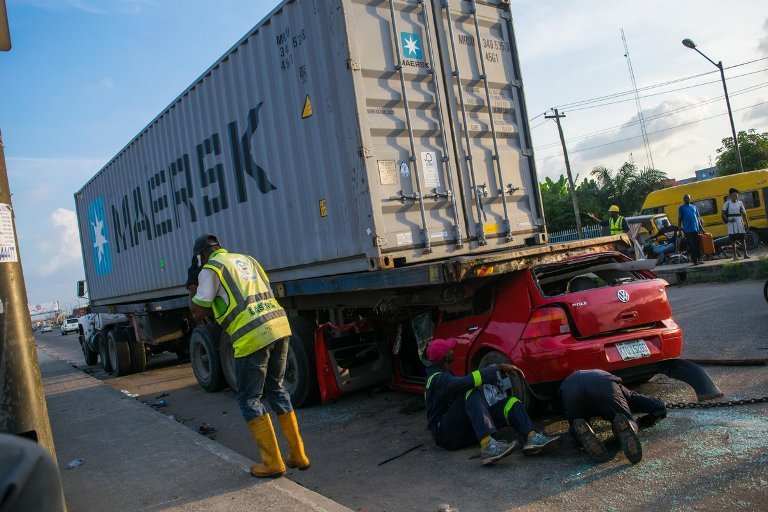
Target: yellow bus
(709,196)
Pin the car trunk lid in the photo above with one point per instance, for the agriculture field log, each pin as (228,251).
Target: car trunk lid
(604,294)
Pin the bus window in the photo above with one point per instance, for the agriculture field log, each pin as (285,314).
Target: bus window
(706,206)
(751,199)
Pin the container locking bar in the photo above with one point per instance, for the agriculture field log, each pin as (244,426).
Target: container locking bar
(496,159)
(412,159)
(456,73)
(446,161)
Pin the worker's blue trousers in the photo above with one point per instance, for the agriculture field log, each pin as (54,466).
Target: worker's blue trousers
(467,421)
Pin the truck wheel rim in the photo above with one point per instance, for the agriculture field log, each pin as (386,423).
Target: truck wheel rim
(202,362)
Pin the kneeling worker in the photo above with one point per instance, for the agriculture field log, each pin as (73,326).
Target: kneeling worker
(588,393)
(458,414)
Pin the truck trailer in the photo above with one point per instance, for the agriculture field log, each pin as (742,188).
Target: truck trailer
(376,158)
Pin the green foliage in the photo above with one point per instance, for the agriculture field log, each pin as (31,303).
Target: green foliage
(753,147)
(627,188)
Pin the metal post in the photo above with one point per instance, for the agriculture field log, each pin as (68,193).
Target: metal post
(22,402)
(730,114)
(557,115)
(719,65)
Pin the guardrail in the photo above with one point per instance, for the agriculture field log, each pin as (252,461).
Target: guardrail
(572,234)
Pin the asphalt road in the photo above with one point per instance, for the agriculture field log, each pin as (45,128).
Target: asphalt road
(694,460)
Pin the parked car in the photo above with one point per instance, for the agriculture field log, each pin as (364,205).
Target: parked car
(46,328)
(69,325)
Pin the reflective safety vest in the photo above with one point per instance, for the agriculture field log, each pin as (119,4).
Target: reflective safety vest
(616,225)
(252,317)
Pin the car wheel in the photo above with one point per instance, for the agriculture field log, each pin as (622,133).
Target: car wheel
(206,360)
(119,352)
(519,386)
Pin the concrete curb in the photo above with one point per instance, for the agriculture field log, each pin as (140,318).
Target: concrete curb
(62,380)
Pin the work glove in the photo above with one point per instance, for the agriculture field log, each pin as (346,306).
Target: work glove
(192,273)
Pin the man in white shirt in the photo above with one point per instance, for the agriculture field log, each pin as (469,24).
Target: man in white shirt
(735,217)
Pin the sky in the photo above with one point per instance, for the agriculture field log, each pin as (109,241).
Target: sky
(85,76)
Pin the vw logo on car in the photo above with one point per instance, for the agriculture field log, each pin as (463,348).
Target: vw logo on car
(623,295)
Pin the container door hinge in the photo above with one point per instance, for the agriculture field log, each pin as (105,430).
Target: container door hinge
(528,152)
(353,65)
(364,152)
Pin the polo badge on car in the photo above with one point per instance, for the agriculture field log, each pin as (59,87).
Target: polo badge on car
(623,296)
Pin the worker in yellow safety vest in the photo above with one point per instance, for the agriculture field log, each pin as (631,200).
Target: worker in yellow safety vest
(615,222)
(234,289)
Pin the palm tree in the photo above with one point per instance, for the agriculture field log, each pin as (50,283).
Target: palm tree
(628,187)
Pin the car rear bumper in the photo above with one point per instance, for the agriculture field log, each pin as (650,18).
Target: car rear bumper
(554,358)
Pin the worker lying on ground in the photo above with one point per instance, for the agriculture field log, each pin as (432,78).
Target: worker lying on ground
(458,414)
(589,393)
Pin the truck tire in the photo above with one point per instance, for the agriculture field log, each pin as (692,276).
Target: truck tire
(300,372)
(519,387)
(119,352)
(227,356)
(206,361)
(91,357)
(100,340)
(138,352)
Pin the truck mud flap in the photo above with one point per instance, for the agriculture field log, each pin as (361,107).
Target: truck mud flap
(693,375)
(348,362)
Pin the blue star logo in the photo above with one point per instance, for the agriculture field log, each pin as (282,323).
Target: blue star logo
(412,46)
(97,220)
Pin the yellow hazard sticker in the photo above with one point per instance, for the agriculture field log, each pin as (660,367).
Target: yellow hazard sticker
(323,208)
(307,111)
(490,229)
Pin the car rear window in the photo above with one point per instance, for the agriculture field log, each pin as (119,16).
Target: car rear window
(586,273)
(71,320)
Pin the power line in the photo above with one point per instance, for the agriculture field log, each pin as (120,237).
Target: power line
(654,86)
(660,115)
(655,132)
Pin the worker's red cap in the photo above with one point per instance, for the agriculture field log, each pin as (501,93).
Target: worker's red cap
(438,348)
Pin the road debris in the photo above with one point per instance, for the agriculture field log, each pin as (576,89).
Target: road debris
(160,403)
(128,393)
(75,464)
(208,431)
(162,396)
(409,450)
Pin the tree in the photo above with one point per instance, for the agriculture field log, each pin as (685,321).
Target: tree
(627,188)
(753,147)
(558,207)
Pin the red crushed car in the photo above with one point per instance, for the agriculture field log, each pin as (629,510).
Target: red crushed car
(601,311)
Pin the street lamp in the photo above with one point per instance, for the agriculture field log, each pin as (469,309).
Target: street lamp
(719,65)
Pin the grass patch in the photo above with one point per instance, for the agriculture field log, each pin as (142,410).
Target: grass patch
(731,271)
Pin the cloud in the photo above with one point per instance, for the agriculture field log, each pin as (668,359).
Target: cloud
(62,243)
(763,44)
(628,137)
(758,114)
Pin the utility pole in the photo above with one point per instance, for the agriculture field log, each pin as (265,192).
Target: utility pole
(22,403)
(556,116)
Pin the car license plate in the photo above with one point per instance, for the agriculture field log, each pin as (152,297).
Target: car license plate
(633,350)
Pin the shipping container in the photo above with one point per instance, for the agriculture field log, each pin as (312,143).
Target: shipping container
(335,137)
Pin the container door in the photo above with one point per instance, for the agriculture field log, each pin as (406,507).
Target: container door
(411,168)
(490,128)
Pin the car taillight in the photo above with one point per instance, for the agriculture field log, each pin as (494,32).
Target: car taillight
(550,321)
